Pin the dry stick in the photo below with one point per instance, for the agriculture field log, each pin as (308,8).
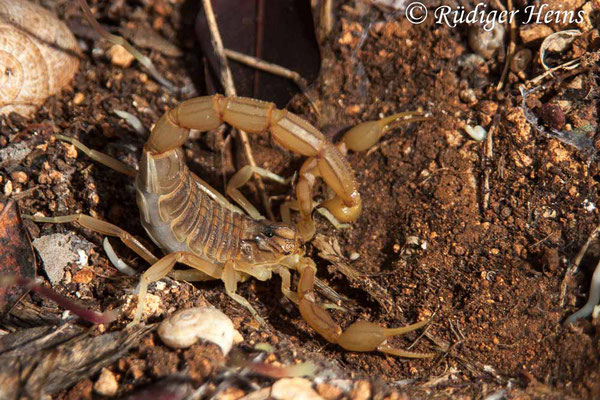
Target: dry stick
(275,69)
(489,153)
(145,61)
(326,20)
(267,67)
(227,82)
(572,270)
(569,65)
(511,47)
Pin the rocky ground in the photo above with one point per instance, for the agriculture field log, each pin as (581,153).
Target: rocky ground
(477,235)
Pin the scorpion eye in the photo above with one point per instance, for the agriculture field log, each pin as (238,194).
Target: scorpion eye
(269,232)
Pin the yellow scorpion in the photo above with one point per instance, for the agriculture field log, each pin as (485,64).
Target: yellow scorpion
(196,226)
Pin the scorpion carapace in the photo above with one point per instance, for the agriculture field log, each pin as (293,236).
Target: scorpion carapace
(195,225)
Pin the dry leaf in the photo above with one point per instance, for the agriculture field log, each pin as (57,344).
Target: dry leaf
(16,254)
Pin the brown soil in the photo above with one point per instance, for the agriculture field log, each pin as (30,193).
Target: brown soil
(488,273)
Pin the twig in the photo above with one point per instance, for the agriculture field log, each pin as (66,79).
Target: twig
(326,20)
(24,193)
(115,39)
(457,332)
(489,154)
(227,82)
(510,51)
(267,67)
(217,42)
(62,301)
(572,270)
(569,65)
(275,69)
(593,299)
(414,343)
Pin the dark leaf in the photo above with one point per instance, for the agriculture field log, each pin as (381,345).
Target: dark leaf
(16,254)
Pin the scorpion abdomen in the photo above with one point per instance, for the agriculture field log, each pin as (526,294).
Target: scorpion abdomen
(180,216)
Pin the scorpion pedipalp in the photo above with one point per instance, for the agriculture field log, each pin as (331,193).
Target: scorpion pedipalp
(361,335)
(367,134)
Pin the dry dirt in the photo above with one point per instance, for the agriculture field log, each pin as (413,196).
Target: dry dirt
(488,273)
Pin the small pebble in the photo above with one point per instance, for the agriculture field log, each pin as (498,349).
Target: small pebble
(521,60)
(71,150)
(83,258)
(78,98)
(19,176)
(412,240)
(552,115)
(362,391)
(84,276)
(329,392)
(8,188)
(186,327)
(119,56)
(468,96)
(532,32)
(294,389)
(486,43)
(477,133)
(153,306)
(107,384)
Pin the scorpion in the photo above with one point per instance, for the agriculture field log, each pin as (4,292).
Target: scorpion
(195,225)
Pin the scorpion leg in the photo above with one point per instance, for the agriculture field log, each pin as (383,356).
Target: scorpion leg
(286,279)
(240,178)
(163,267)
(97,156)
(231,277)
(284,210)
(103,227)
(190,275)
(360,336)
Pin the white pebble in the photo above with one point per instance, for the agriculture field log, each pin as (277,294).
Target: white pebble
(412,241)
(185,327)
(588,205)
(477,132)
(83,258)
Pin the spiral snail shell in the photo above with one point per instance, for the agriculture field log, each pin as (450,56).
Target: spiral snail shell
(38,56)
(186,327)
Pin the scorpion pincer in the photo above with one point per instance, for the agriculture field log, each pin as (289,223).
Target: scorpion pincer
(195,225)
